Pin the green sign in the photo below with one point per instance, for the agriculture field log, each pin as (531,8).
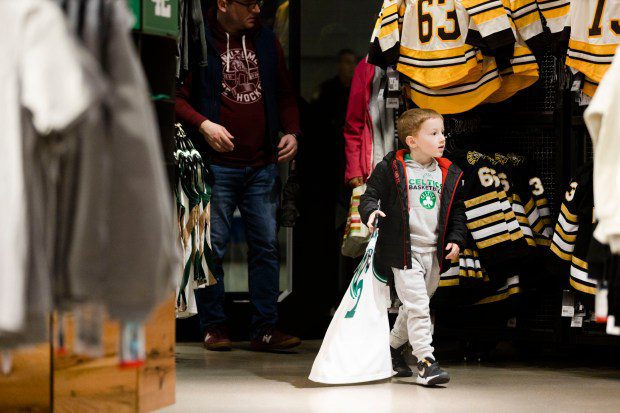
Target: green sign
(134,5)
(160,17)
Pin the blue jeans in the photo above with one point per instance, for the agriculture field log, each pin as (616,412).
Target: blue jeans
(256,192)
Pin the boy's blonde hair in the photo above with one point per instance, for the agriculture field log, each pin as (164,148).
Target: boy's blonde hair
(409,123)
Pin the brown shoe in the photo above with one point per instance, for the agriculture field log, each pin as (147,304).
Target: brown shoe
(216,339)
(273,339)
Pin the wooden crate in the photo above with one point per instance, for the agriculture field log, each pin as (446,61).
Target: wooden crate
(42,378)
(28,386)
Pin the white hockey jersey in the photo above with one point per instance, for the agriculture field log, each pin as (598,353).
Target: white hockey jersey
(604,126)
(555,13)
(431,44)
(594,35)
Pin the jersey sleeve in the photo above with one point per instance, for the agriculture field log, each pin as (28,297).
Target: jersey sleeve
(555,12)
(527,19)
(385,40)
(567,227)
(492,22)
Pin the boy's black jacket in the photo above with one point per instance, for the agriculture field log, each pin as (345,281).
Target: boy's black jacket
(388,184)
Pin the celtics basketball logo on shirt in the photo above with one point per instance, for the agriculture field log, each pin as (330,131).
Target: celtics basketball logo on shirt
(430,190)
(428,199)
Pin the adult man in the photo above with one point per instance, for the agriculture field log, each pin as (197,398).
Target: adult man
(239,104)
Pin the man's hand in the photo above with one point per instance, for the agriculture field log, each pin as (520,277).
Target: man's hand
(355,182)
(371,220)
(217,136)
(454,250)
(287,149)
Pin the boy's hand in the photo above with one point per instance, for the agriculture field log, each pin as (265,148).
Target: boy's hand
(371,220)
(454,250)
(355,182)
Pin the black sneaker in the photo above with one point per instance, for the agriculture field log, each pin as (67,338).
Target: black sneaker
(399,365)
(430,374)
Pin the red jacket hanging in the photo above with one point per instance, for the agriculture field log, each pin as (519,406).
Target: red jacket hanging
(358,132)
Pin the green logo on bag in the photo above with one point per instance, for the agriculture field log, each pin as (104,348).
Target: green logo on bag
(357,284)
(428,199)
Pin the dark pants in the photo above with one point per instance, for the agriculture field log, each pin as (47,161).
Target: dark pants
(256,192)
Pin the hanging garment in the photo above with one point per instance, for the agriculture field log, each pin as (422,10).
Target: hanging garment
(573,232)
(603,123)
(594,27)
(431,45)
(192,42)
(555,13)
(46,92)
(356,347)
(122,237)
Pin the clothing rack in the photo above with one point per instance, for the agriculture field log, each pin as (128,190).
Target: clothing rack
(42,377)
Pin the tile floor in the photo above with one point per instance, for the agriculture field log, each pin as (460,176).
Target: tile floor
(242,381)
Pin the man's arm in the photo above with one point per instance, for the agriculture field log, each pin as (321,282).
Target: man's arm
(183,109)
(216,135)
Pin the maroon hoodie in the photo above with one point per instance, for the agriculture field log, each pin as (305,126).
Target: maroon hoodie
(242,105)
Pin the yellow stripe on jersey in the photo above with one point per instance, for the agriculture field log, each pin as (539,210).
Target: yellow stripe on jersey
(470,203)
(558,252)
(458,98)
(513,83)
(543,242)
(439,68)
(589,87)
(449,283)
(582,287)
(499,217)
(493,241)
(500,297)
(566,237)
(592,60)
(555,12)
(570,217)
(526,16)
(580,263)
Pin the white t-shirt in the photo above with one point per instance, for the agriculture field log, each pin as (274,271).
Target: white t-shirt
(43,83)
(425,182)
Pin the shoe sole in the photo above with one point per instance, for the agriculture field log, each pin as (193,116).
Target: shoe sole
(218,346)
(433,381)
(286,345)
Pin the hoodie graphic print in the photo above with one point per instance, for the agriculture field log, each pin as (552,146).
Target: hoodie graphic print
(424,186)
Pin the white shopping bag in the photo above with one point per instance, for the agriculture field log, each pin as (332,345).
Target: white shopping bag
(356,347)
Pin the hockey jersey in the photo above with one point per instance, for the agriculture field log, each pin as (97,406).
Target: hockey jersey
(518,68)
(573,231)
(432,41)
(594,27)
(603,124)
(555,13)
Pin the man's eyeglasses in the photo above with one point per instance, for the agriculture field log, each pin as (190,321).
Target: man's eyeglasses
(251,5)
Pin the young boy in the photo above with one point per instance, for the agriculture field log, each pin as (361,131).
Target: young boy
(417,194)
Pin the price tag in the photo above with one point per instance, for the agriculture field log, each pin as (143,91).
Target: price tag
(393,80)
(568,304)
(381,95)
(392,103)
(576,322)
(576,86)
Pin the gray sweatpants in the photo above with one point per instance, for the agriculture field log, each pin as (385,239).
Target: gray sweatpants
(414,288)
